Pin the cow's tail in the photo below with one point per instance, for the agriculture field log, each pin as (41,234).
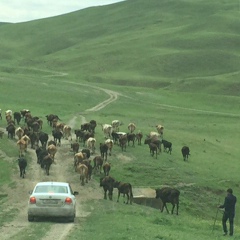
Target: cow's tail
(131,193)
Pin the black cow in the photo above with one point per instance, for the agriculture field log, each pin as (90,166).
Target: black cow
(51,117)
(185,152)
(168,195)
(131,138)
(22,163)
(43,138)
(17,117)
(167,146)
(57,136)
(41,152)
(11,131)
(107,184)
(124,188)
(87,152)
(104,150)
(154,141)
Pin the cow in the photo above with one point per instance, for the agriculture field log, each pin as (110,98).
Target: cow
(47,162)
(87,162)
(91,144)
(57,136)
(92,126)
(22,163)
(167,146)
(43,138)
(22,145)
(79,135)
(131,138)
(82,169)
(109,143)
(17,117)
(106,168)
(115,125)
(168,195)
(19,132)
(27,139)
(86,136)
(131,127)
(116,136)
(78,158)
(75,147)
(34,139)
(41,152)
(52,150)
(1,134)
(185,152)
(139,137)
(86,152)
(51,117)
(153,149)
(107,184)
(160,130)
(107,130)
(67,132)
(155,141)
(11,131)
(104,150)
(23,112)
(97,162)
(9,112)
(124,188)
(51,142)
(123,142)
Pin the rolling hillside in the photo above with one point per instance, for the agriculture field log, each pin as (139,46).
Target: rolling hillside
(146,43)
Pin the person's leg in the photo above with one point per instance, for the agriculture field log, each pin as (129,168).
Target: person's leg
(224,222)
(231,218)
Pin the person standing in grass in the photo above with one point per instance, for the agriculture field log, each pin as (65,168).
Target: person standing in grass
(229,211)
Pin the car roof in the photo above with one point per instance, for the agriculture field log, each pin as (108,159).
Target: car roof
(52,183)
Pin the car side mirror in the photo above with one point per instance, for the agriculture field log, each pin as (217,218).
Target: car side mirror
(75,193)
(30,192)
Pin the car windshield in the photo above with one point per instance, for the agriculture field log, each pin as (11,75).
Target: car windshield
(51,189)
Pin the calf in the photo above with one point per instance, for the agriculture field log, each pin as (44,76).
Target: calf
(123,142)
(168,195)
(107,184)
(104,150)
(139,137)
(106,168)
(98,162)
(82,169)
(124,188)
(185,152)
(167,146)
(22,163)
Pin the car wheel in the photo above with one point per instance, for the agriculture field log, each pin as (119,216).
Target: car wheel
(30,218)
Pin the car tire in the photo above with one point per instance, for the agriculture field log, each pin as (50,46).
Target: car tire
(30,218)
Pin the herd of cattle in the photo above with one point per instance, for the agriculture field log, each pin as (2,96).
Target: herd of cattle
(30,133)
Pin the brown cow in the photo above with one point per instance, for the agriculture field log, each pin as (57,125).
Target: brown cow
(98,162)
(75,147)
(52,150)
(124,188)
(107,184)
(82,169)
(168,195)
(106,168)
(22,144)
(67,132)
(78,158)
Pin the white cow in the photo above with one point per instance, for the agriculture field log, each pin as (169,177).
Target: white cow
(116,124)
(109,143)
(107,130)
(9,112)
(91,142)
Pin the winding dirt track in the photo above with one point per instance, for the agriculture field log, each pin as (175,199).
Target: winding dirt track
(61,171)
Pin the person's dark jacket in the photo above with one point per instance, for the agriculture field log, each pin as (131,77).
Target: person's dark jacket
(229,204)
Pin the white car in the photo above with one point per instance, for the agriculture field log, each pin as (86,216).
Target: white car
(52,199)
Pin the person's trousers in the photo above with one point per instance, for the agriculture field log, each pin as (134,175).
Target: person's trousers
(230,217)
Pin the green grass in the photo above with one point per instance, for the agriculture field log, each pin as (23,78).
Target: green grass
(174,63)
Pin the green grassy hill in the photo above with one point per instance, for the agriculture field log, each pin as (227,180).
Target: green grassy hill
(147,43)
(173,62)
